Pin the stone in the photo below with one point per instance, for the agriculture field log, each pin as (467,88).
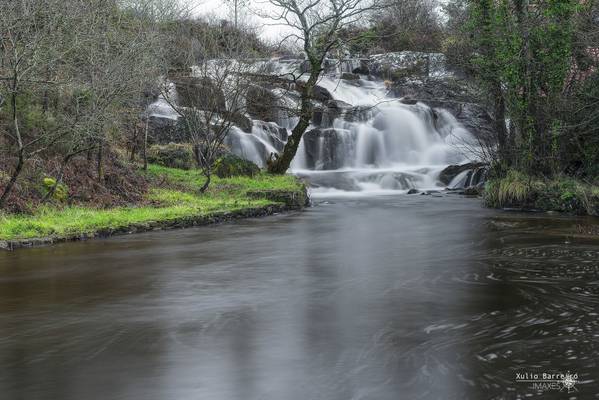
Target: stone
(232,165)
(408,101)
(324,148)
(473,191)
(413,191)
(201,93)
(262,104)
(450,172)
(349,76)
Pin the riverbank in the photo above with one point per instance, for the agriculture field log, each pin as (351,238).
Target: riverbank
(560,194)
(172,202)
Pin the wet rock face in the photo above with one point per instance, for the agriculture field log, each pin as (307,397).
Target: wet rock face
(324,149)
(452,171)
(241,121)
(457,96)
(262,104)
(324,115)
(349,76)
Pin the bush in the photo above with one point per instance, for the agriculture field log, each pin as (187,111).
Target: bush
(172,155)
(61,193)
(231,165)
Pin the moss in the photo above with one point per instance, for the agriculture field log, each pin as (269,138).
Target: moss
(61,193)
(230,165)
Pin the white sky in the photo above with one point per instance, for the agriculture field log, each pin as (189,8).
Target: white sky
(220,9)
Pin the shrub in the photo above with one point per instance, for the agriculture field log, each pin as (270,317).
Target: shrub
(231,165)
(172,155)
(513,189)
(61,193)
(561,194)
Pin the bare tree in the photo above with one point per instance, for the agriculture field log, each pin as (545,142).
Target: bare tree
(30,51)
(212,99)
(316,25)
(83,64)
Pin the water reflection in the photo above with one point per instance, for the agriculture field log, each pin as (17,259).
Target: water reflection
(397,297)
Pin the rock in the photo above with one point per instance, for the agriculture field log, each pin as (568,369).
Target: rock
(413,191)
(325,148)
(349,76)
(408,101)
(241,121)
(324,115)
(262,104)
(447,175)
(464,101)
(363,69)
(231,165)
(165,130)
(473,191)
(200,93)
(172,155)
(321,94)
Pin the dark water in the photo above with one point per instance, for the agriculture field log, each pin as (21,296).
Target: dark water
(408,297)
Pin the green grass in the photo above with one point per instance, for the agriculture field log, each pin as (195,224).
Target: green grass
(170,204)
(193,179)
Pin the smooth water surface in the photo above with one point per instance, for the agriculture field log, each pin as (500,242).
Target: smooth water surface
(396,297)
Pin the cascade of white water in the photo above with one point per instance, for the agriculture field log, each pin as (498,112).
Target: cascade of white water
(366,141)
(377,143)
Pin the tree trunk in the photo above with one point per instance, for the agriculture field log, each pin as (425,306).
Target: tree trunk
(145,146)
(21,147)
(100,162)
(499,122)
(281,164)
(134,142)
(13,179)
(208,176)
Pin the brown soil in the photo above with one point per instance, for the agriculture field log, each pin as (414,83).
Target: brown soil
(121,185)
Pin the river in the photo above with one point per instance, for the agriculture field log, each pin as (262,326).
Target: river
(391,297)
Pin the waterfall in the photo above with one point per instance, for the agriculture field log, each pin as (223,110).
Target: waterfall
(377,144)
(360,139)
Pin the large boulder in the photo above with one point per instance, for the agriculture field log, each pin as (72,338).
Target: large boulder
(323,115)
(231,165)
(165,130)
(350,76)
(200,93)
(262,104)
(321,94)
(452,171)
(241,121)
(172,155)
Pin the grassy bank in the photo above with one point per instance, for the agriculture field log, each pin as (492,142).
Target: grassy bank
(172,196)
(561,194)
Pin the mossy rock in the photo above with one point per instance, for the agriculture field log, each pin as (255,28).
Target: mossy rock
(172,155)
(61,193)
(230,165)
